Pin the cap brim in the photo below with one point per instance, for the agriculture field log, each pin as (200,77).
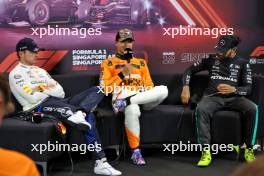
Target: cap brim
(221,49)
(122,40)
(34,50)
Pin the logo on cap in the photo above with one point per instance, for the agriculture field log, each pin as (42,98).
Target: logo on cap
(222,42)
(125,34)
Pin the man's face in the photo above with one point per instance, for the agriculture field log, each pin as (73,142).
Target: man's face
(228,54)
(121,46)
(28,57)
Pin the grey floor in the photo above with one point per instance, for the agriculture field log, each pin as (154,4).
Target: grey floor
(158,164)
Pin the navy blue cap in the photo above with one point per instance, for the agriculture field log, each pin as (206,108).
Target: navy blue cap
(27,44)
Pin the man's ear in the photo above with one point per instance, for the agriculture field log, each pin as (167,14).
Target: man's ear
(116,44)
(19,53)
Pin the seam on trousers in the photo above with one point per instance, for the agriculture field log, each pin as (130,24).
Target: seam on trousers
(197,130)
(255,127)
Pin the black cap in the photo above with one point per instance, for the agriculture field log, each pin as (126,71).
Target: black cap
(27,44)
(124,34)
(227,42)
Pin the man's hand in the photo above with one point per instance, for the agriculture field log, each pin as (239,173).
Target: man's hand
(127,69)
(226,89)
(43,87)
(52,84)
(37,89)
(185,95)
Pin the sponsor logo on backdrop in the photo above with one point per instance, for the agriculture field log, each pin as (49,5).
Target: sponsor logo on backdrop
(254,61)
(257,56)
(86,59)
(82,59)
(258,51)
(193,57)
(168,57)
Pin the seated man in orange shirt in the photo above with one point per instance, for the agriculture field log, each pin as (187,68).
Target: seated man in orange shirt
(129,81)
(12,163)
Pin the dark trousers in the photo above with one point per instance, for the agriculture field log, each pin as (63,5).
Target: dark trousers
(64,108)
(209,105)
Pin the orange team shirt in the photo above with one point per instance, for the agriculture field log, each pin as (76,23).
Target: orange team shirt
(110,69)
(13,163)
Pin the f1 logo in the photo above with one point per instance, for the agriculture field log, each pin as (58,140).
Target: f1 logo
(45,59)
(258,51)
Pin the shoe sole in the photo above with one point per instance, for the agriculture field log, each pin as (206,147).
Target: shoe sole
(206,165)
(100,173)
(80,127)
(137,164)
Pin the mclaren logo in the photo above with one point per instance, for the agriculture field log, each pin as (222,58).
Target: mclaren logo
(46,60)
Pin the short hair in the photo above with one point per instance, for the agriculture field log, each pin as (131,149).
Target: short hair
(236,41)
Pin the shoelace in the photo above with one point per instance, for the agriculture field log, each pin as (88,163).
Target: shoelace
(107,164)
(138,156)
(203,156)
(250,153)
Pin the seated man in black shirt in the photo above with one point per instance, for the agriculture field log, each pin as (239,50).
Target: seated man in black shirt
(230,81)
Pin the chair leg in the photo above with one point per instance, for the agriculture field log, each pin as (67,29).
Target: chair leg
(116,147)
(44,167)
(261,144)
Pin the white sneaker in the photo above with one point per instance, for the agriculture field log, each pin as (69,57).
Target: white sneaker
(78,118)
(102,167)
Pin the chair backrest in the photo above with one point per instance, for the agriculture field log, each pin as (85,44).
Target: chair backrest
(75,83)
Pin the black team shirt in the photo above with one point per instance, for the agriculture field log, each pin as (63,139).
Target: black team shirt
(232,71)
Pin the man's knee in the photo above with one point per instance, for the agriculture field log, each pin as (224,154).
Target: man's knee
(162,91)
(247,106)
(132,110)
(252,109)
(203,107)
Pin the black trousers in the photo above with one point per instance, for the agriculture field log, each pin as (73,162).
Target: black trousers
(63,108)
(208,105)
